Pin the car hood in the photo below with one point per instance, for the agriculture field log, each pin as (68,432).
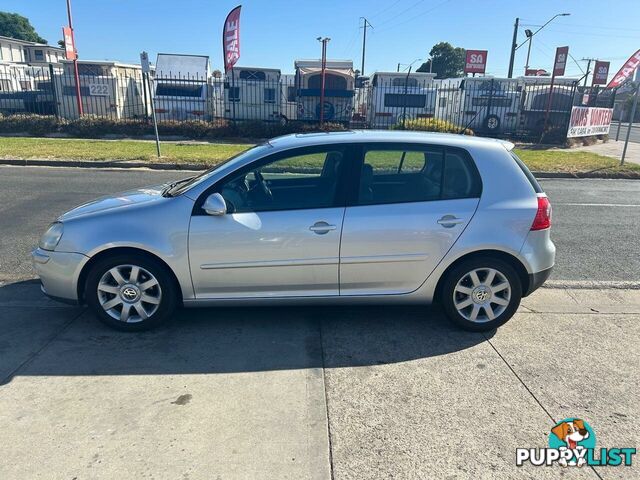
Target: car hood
(117,201)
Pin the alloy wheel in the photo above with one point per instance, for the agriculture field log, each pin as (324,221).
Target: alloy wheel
(129,293)
(482,295)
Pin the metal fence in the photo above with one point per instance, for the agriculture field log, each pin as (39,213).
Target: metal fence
(508,108)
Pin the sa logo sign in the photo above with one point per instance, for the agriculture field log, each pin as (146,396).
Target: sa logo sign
(476,61)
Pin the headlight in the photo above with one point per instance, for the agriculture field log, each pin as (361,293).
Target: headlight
(52,236)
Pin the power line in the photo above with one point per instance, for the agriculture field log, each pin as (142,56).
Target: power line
(415,16)
(402,12)
(389,7)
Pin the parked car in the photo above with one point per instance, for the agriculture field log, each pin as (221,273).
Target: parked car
(345,217)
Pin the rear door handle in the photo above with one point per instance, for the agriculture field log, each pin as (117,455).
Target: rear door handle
(321,228)
(450,221)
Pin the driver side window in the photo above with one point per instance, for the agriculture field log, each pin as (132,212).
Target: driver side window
(304,179)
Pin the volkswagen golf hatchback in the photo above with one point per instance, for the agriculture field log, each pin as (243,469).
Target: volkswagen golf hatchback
(386,217)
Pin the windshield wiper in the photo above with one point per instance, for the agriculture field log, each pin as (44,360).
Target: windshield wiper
(166,191)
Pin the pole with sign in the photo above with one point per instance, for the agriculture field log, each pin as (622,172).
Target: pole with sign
(476,61)
(72,54)
(559,65)
(146,69)
(600,73)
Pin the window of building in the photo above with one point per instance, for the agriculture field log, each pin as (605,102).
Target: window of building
(402,100)
(401,82)
(254,75)
(39,55)
(269,95)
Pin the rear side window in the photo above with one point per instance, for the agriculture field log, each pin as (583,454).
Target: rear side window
(461,179)
(532,180)
(416,173)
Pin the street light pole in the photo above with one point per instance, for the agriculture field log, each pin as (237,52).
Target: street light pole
(75,61)
(529,39)
(324,42)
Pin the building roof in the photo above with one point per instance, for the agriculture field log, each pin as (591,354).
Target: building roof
(31,44)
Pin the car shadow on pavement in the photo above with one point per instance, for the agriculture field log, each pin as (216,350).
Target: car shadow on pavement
(41,338)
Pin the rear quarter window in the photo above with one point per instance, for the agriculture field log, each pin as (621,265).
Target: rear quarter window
(532,180)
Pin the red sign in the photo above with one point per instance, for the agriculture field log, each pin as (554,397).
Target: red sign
(560,62)
(69,44)
(600,73)
(476,61)
(587,121)
(626,71)
(231,38)
(536,72)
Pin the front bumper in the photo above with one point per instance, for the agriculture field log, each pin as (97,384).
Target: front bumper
(59,273)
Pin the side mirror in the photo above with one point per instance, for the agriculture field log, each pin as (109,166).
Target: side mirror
(215,205)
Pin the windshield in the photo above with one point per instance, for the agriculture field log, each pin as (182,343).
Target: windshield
(182,186)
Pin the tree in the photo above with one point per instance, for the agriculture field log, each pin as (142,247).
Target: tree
(448,61)
(16,26)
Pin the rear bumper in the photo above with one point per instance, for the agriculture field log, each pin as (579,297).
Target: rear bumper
(536,280)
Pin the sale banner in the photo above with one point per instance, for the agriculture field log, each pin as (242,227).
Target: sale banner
(476,61)
(600,73)
(231,38)
(587,121)
(626,71)
(560,62)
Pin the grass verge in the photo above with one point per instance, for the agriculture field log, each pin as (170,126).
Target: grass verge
(209,154)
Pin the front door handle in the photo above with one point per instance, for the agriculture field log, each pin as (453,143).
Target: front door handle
(321,228)
(450,221)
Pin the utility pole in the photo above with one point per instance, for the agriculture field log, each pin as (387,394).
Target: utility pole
(364,42)
(324,42)
(514,45)
(586,75)
(75,61)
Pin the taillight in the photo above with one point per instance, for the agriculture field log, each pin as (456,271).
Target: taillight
(543,215)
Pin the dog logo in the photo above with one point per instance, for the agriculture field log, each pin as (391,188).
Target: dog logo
(574,435)
(572,443)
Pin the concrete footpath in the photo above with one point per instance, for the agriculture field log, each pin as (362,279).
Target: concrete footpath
(613,149)
(313,393)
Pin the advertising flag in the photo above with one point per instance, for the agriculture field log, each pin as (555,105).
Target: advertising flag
(626,71)
(600,73)
(69,46)
(231,38)
(560,62)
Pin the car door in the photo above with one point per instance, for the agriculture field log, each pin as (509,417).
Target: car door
(280,236)
(410,206)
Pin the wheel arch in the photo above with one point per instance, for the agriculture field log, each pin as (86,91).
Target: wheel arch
(517,265)
(82,278)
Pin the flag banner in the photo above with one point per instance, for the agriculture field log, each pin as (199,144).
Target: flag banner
(600,73)
(560,62)
(626,71)
(69,47)
(231,38)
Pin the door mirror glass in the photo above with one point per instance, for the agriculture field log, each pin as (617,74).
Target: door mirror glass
(215,205)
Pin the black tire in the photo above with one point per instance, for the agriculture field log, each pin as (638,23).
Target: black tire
(459,272)
(492,123)
(165,284)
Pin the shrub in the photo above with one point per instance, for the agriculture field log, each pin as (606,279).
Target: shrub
(433,125)
(29,123)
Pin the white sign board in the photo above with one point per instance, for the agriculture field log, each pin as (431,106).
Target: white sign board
(586,121)
(144,62)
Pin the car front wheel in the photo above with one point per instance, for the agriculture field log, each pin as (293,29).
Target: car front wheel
(481,295)
(129,293)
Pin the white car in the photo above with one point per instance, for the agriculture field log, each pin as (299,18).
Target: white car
(371,216)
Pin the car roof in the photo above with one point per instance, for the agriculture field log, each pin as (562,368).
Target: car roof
(391,136)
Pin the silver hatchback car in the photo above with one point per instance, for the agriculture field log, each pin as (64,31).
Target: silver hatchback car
(394,217)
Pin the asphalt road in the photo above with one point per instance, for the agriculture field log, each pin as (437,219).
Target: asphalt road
(633,137)
(596,222)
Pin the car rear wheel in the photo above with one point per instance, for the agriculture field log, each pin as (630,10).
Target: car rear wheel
(129,293)
(481,294)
